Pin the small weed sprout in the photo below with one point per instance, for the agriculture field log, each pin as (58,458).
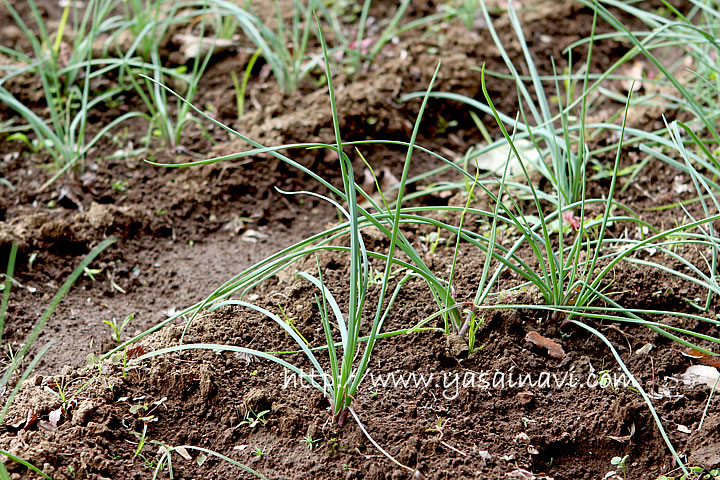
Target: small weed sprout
(620,463)
(291,323)
(475,324)
(240,88)
(605,380)
(432,240)
(120,185)
(62,390)
(438,428)
(12,361)
(94,361)
(253,419)
(143,412)
(122,358)
(310,442)
(165,460)
(91,272)
(117,329)
(527,421)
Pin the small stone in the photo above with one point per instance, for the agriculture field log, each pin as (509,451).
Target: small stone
(525,397)
(82,413)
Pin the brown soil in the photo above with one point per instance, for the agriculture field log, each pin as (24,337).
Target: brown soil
(183,232)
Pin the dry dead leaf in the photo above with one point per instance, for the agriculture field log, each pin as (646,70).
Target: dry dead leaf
(554,349)
(711,360)
(624,438)
(136,351)
(681,185)
(485,455)
(634,71)
(54,416)
(191,46)
(47,426)
(182,451)
(30,419)
(495,160)
(252,236)
(701,374)
(522,474)
(525,397)
(684,429)
(385,179)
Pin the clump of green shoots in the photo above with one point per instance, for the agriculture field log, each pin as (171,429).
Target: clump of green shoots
(345,374)
(66,82)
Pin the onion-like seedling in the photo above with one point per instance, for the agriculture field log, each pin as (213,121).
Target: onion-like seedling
(349,362)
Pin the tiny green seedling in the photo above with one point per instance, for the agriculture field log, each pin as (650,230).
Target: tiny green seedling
(291,323)
(141,440)
(12,360)
(376,277)
(143,412)
(438,428)
(310,442)
(91,272)
(259,452)
(240,88)
(475,324)
(334,446)
(605,380)
(117,329)
(620,464)
(432,240)
(150,463)
(62,390)
(253,419)
(526,421)
(122,358)
(21,137)
(120,185)
(694,473)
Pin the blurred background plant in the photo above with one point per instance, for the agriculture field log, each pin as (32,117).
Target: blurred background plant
(64,66)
